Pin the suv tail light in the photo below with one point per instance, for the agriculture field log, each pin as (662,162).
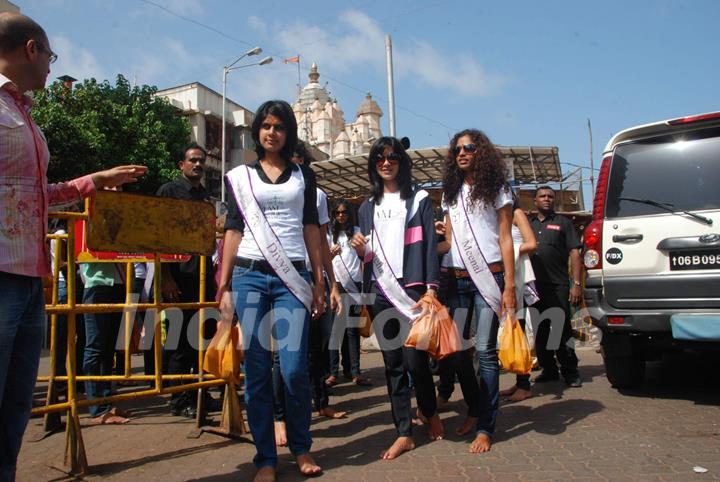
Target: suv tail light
(694,118)
(593,233)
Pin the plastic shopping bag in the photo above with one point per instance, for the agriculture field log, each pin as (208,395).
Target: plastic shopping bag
(224,354)
(514,352)
(435,332)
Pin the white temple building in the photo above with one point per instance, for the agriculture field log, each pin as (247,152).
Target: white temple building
(321,121)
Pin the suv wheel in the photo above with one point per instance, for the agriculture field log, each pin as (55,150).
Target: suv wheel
(624,357)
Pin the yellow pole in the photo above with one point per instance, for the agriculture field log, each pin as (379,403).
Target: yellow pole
(127,318)
(200,419)
(157,338)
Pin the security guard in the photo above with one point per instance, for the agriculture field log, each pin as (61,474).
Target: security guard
(557,240)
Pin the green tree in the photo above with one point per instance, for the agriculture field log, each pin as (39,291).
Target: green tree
(94,126)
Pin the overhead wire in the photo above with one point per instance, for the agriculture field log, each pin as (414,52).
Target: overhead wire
(345,84)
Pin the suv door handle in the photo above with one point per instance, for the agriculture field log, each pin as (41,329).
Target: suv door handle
(627,238)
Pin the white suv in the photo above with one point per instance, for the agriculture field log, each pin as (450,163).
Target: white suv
(652,250)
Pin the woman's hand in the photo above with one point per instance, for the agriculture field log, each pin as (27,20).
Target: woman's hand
(335,299)
(440,228)
(424,306)
(335,250)
(318,303)
(358,242)
(227,305)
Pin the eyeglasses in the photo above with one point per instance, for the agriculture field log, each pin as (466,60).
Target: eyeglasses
(393,158)
(341,213)
(52,55)
(469,148)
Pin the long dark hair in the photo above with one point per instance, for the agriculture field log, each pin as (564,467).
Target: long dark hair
(404,176)
(283,111)
(489,171)
(349,223)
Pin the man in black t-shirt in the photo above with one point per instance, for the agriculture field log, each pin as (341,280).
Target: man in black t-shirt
(181,281)
(557,241)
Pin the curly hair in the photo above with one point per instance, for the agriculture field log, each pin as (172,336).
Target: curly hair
(404,175)
(489,173)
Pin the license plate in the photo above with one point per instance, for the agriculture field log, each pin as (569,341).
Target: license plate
(691,260)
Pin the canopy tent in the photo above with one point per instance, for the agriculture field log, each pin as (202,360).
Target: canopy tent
(347,177)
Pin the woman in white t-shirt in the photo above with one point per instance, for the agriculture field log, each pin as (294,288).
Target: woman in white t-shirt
(397,221)
(475,171)
(347,267)
(267,308)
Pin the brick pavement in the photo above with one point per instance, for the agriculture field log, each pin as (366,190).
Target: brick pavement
(593,433)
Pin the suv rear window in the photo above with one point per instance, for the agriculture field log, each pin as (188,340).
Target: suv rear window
(680,169)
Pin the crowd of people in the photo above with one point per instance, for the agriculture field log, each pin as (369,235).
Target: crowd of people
(295,277)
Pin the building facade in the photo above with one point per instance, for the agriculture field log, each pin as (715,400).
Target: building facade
(203,108)
(6,6)
(321,121)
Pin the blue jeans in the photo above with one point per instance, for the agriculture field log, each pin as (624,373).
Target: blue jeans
(101,334)
(486,330)
(22,325)
(265,306)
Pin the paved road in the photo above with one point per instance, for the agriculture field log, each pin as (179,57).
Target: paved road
(593,433)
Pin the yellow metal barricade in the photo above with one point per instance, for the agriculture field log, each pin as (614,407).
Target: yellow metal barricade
(129,223)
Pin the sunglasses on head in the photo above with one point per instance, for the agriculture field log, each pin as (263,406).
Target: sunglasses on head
(393,158)
(469,148)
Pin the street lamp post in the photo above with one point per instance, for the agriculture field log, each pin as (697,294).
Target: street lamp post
(226,70)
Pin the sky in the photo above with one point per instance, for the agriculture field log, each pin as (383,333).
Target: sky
(525,72)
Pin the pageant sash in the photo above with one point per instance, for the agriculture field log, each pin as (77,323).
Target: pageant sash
(342,274)
(467,245)
(265,238)
(388,283)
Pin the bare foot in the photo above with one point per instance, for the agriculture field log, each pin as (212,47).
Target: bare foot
(280,434)
(330,412)
(400,446)
(307,465)
(508,391)
(480,444)
(520,395)
(468,426)
(440,402)
(109,418)
(265,474)
(435,429)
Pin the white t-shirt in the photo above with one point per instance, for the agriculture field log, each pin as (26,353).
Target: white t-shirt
(484,222)
(323,218)
(349,255)
(282,205)
(390,227)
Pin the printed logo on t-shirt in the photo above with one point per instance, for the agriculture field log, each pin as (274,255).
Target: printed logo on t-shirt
(554,227)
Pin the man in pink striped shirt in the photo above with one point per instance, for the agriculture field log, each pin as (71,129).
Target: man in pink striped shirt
(25,197)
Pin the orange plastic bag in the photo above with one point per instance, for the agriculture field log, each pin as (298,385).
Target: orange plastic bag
(514,352)
(435,332)
(224,354)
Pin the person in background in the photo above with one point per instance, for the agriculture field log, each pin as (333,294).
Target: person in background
(558,242)
(524,244)
(348,269)
(25,58)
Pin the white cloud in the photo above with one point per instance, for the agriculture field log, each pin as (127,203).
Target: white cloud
(256,23)
(459,71)
(75,61)
(362,45)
